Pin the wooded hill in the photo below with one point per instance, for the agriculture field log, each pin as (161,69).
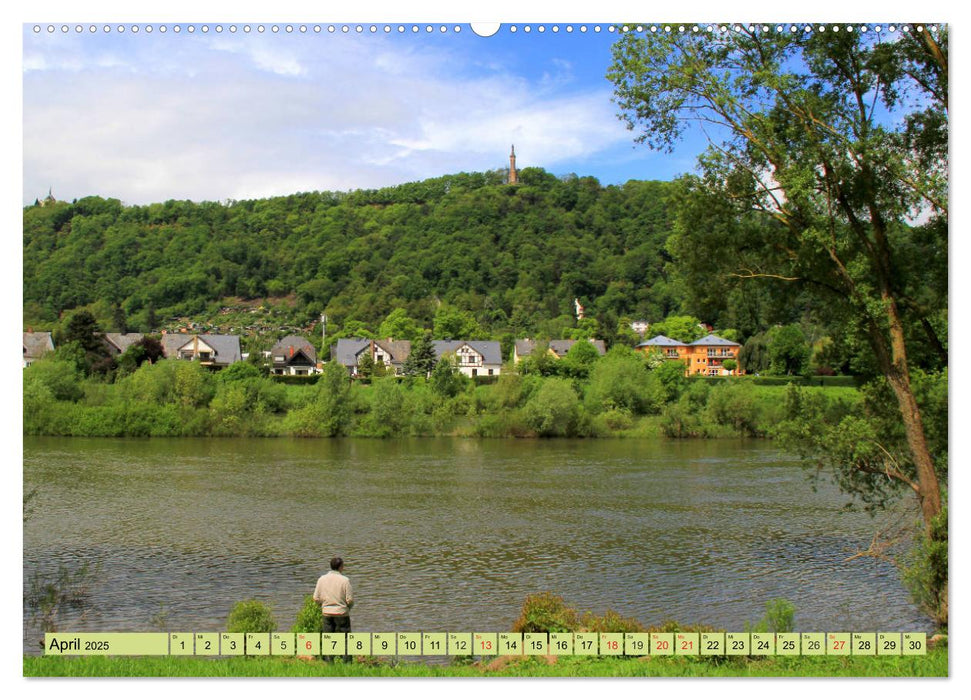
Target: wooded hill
(513,256)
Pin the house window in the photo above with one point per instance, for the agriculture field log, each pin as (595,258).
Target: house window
(475,373)
(490,372)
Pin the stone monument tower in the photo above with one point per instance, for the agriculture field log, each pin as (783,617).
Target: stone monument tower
(512,166)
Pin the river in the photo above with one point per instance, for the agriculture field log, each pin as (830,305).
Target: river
(449,534)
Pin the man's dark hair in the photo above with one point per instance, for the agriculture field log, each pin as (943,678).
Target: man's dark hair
(336,563)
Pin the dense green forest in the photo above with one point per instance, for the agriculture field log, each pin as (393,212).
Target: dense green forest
(513,256)
(505,261)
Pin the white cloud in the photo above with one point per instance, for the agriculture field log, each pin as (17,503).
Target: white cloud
(240,117)
(273,60)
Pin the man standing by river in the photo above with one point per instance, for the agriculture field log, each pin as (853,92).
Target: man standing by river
(333,592)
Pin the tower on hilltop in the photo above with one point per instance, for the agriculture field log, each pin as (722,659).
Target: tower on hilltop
(512,166)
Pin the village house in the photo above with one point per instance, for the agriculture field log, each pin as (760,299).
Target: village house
(524,347)
(293,355)
(117,343)
(390,353)
(215,351)
(36,344)
(640,327)
(474,358)
(705,356)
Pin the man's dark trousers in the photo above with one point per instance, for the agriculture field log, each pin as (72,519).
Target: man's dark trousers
(338,623)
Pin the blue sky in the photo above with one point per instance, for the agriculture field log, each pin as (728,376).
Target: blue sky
(150,116)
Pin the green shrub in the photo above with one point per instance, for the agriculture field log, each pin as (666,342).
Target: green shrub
(672,378)
(611,621)
(60,376)
(680,420)
(98,421)
(617,419)
(305,421)
(554,410)
(780,616)
(503,424)
(250,616)
(238,372)
(545,612)
(387,417)
(309,618)
(925,570)
(40,407)
(735,405)
(621,379)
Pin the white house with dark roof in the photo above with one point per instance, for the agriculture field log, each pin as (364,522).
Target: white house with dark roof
(209,349)
(293,355)
(474,358)
(36,345)
(391,353)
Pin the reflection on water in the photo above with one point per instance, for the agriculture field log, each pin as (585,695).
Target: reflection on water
(451,534)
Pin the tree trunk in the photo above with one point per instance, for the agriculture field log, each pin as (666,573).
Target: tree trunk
(893,362)
(895,365)
(930,491)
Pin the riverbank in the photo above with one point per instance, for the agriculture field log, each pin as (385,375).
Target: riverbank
(620,396)
(934,664)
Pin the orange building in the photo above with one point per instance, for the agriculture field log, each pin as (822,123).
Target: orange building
(704,356)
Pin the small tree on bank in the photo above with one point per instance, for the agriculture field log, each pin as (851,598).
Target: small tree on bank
(421,360)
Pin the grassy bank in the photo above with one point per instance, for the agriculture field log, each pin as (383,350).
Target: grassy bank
(616,396)
(935,664)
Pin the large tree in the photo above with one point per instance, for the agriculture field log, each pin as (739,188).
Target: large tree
(826,171)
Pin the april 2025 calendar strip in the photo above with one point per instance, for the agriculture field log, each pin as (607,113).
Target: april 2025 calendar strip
(485,644)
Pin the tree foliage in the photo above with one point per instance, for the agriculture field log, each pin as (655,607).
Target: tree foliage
(686,329)
(788,350)
(421,360)
(578,361)
(463,254)
(398,325)
(554,410)
(621,380)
